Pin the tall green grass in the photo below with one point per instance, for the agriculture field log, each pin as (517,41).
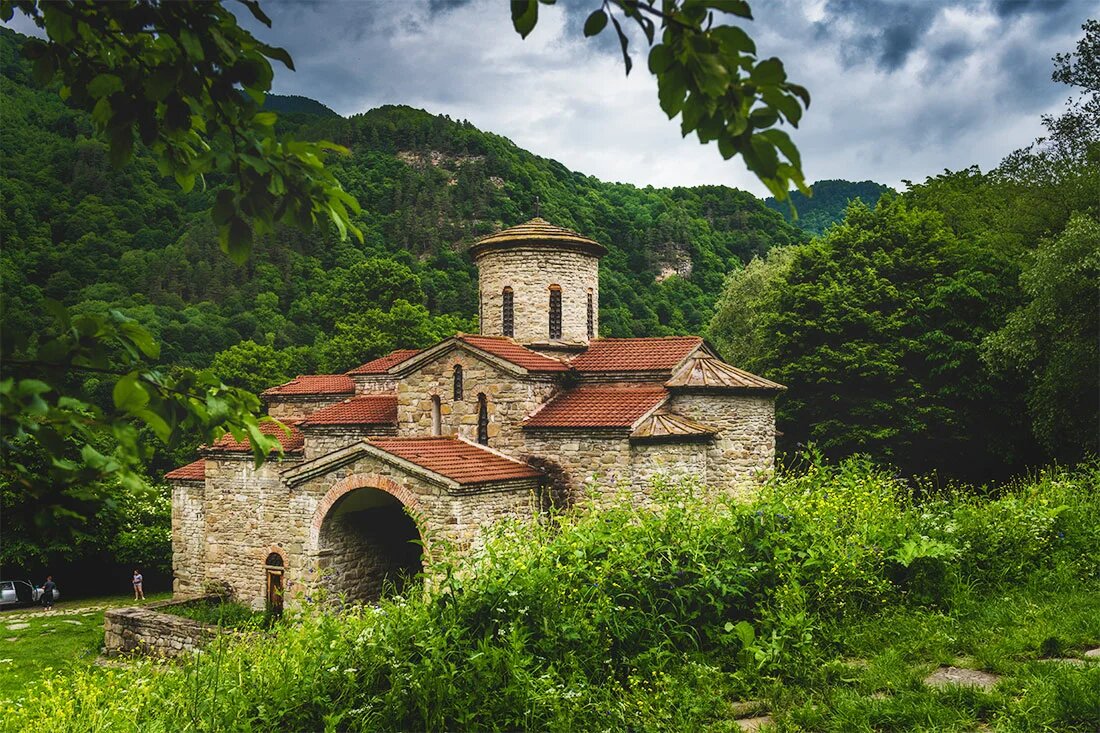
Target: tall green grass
(623,618)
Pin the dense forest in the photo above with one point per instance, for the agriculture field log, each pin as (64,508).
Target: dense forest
(826,207)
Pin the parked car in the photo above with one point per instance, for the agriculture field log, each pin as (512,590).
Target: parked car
(22,592)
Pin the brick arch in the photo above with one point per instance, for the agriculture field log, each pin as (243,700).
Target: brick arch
(272,550)
(357,481)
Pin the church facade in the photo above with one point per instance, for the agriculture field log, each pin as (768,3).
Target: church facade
(423,449)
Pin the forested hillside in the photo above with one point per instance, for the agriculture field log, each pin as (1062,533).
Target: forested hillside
(91,237)
(828,204)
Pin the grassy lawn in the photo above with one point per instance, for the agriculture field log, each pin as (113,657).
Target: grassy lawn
(877,681)
(35,644)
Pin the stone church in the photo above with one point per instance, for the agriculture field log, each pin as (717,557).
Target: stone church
(424,448)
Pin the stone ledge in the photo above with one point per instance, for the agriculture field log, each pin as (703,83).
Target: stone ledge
(146,630)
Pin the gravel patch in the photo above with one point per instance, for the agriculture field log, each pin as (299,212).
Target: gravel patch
(945,676)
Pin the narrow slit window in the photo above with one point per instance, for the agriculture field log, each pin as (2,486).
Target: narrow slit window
(591,316)
(458,382)
(507,315)
(437,416)
(555,311)
(482,420)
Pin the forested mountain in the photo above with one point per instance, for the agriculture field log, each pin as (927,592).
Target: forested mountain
(91,237)
(828,204)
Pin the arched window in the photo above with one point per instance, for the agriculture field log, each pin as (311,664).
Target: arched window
(555,311)
(507,314)
(482,420)
(591,316)
(437,416)
(458,381)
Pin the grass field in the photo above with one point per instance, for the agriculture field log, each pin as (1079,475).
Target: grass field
(36,645)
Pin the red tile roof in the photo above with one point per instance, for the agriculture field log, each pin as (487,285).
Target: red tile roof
(194,471)
(292,443)
(462,462)
(375,409)
(598,407)
(635,354)
(507,349)
(382,364)
(314,384)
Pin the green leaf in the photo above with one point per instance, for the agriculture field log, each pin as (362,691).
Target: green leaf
(740,8)
(660,58)
(595,23)
(265,119)
(129,394)
(104,84)
(525,14)
(623,43)
(769,71)
(734,39)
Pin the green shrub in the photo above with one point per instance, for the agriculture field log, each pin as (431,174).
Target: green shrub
(616,618)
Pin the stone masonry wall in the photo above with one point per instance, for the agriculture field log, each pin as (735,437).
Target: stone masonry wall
(744,451)
(374,384)
(320,441)
(669,461)
(600,460)
(146,631)
(509,400)
(530,272)
(299,408)
(248,515)
(188,535)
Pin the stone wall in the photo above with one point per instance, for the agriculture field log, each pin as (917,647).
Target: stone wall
(509,400)
(374,383)
(145,630)
(322,440)
(248,515)
(669,461)
(598,459)
(299,407)
(743,452)
(188,535)
(530,272)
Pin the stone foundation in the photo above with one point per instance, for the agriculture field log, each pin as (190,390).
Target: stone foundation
(144,630)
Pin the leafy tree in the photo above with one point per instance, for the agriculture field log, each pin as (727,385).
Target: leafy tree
(1053,341)
(829,202)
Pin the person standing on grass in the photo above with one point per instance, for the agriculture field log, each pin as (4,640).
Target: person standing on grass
(138,592)
(47,592)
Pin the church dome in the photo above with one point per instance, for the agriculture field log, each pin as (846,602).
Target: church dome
(537,233)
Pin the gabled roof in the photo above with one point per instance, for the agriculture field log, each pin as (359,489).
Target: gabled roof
(537,232)
(705,372)
(292,443)
(636,354)
(194,471)
(313,384)
(461,461)
(599,407)
(508,349)
(382,364)
(668,426)
(373,409)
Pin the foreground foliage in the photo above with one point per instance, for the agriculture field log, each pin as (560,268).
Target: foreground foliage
(660,619)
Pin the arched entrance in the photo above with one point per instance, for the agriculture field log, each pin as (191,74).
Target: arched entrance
(367,545)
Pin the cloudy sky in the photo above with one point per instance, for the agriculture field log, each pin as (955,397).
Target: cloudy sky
(901,89)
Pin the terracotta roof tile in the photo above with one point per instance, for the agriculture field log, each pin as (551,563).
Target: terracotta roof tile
(537,231)
(598,407)
(462,462)
(292,443)
(375,409)
(635,354)
(705,372)
(194,471)
(507,349)
(311,384)
(382,364)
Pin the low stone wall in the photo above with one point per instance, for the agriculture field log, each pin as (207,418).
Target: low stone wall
(145,630)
